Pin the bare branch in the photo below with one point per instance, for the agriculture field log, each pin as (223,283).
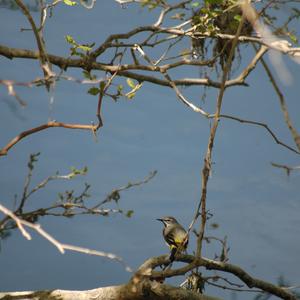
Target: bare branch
(207,161)
(262,125)
(283,105)
(46,66)
(11,91)
(50,124)
(60,246)
(194,262)
(115,193)
(288,169)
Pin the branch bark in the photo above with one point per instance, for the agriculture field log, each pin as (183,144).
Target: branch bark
(209,264)
(140,289)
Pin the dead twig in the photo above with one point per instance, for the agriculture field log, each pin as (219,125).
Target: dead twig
(50,124)
(60,246)
(288,169)
(261,125)
(283,105)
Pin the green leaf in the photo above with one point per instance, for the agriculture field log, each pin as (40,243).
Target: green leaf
(120,88)
(70,40)
(93,91)
(102,86)
(293,38)
(213,1)
(195,4)
(130,83)
(70,3)
(238,18)
(86,74)
(130,96)
(84,48)
(129,213)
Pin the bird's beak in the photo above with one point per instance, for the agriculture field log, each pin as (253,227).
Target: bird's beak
(161,220)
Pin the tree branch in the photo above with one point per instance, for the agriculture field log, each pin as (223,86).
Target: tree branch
(60,246)
(207,161)
(46,66)
(261,125)
(194,262)
(50,124)
(283,106)
(143,289)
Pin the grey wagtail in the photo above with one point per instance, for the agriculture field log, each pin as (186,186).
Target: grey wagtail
(175,236)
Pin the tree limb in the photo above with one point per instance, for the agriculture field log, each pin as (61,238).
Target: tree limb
(209,264)
(60,246)
(141,290)
(50,124)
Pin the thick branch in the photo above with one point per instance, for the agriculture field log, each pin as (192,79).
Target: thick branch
(210,264)
(122,70)
(141,290)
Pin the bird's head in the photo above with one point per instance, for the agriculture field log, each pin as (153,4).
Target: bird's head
(167,221)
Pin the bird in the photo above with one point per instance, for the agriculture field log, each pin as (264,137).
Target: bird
(175,236)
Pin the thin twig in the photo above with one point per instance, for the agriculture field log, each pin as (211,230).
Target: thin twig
(288,169)
(283,105)
(262,125)
(113,193)
(45,64)
(225,287)
(172,83)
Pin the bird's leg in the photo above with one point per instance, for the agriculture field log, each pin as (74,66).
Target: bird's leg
(172,254)
(167,266)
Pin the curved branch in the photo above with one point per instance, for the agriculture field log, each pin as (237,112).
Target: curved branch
(283,106)
(262,125)
(21,224)
(50,124)
(209,264)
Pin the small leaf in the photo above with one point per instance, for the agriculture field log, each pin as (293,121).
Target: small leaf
(93,91)
(70,40)
(238,18)
(88,75)
(130,96)
(195,4)
(84,48)
(120,88)
(129,213)
(70,3)
(293,38)
(213,1)
(130,83)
